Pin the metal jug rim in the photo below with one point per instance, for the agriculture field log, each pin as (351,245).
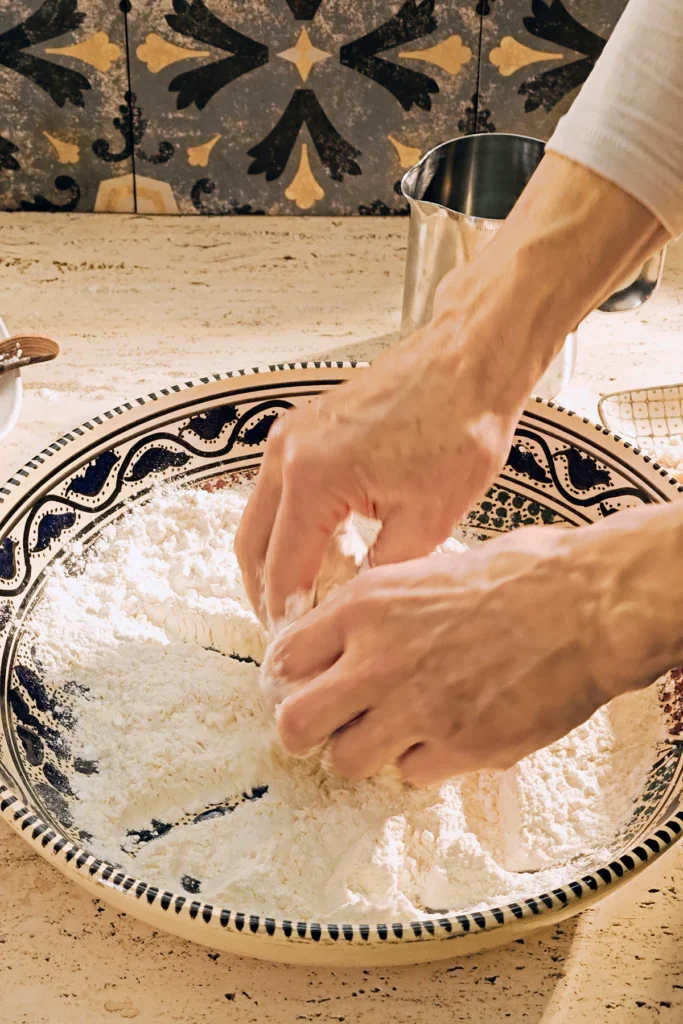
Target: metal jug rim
(449,142)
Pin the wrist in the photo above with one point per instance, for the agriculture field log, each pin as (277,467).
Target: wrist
(582,236)
(571,240)
(628,584)
(463,345)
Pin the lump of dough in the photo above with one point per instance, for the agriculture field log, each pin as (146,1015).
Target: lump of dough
(346,555)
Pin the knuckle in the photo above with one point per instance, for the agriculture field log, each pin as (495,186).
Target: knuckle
(485,456)
(293,727)
(446,319)
(346,759)
(300,461)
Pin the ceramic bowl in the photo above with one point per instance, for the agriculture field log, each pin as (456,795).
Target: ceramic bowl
(10,393)
(562,469)
(650,417)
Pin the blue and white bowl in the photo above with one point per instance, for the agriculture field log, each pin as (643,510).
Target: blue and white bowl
(562,469)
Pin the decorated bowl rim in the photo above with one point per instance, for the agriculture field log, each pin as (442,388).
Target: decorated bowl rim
(75,861)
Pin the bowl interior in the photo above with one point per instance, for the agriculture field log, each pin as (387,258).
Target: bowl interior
(561,470)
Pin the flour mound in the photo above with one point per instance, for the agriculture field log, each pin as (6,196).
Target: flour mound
(180,746)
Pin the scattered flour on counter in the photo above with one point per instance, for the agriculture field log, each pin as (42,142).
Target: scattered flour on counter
(48,394)
(180,748)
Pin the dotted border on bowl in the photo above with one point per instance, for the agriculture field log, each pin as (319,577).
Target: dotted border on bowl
(449,926)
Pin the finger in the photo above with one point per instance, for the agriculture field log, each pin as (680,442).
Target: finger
(408,532)
(303,651)
(308,717)
(307,516)
(426,764)
(253,534)
(361,749)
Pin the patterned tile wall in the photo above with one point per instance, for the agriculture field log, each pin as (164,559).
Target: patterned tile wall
(64,138)
(321,107)
(270,106)
(535,54)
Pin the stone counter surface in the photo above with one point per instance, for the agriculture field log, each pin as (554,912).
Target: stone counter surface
(137,303)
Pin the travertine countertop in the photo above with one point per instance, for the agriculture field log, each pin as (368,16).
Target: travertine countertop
(137,303)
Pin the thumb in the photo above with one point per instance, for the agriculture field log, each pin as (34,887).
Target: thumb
(408,532)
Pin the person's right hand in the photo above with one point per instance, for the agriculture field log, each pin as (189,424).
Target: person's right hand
(417,438)
(412,441)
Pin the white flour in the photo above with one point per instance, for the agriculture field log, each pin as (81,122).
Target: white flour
(175,728)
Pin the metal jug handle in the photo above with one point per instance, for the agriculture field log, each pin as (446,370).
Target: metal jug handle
(640,290)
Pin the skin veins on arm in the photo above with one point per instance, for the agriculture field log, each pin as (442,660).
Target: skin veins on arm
(455,388)
(571,240)
(384,670)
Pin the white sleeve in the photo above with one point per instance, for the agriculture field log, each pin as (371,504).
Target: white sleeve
(627,122)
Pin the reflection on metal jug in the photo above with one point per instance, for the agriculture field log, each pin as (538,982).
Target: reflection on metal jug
(459,194)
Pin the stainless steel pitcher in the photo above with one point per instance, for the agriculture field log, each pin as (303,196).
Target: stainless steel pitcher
(459,194)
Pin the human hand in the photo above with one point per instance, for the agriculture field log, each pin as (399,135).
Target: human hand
(418,437)
(455,663)
(412,441)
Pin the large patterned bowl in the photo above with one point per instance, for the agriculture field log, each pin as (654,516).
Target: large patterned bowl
(561,469)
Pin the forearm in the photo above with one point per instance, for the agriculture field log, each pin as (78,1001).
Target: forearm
(571,239)
(580,237)
(630,571)
(607,195)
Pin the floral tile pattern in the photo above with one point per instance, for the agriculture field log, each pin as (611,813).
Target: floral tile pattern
(270,106)
(63,80)
(290,106)
(535,55)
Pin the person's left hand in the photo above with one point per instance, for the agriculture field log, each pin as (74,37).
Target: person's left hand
(449,663)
